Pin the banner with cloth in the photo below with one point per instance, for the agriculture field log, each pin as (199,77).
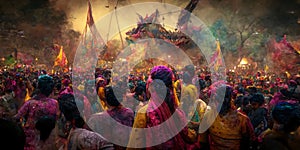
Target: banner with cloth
(61,59)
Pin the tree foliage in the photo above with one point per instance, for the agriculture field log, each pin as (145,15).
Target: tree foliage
(245,27)
(33,26)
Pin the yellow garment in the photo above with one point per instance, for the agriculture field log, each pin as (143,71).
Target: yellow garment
(200,108)
(189,90)
(27,97)
(177,102)
(177,84)
(227,131)
(188,98)
(101,95)
(137,137)
(177,87)
(80,87)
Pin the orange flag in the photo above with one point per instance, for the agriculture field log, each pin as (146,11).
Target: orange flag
(219,62)
(61,59)
(216,59)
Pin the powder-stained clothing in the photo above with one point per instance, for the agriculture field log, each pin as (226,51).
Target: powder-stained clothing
(151,116)
(230,130)
(111,125)
(31,111)
(87,140)
(188,98)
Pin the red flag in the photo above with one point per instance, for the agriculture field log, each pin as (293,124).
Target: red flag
(61,59)
(92,45)
(90,22)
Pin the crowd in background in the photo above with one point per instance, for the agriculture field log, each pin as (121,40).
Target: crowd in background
(46,111)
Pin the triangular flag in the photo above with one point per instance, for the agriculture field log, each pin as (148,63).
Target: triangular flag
(216,59)
(266,68)
(61,59)
(90,22)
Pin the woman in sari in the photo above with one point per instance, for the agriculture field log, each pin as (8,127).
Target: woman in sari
(39,106)
(230,129)
(162,115)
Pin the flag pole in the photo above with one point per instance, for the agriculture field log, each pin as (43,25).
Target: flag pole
(118,24)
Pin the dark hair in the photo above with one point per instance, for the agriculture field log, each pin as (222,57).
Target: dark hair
(67,106)
(202,84)
(227,101)
(131,85)
(113,96)
(238,102)
(140,88)
(12,136)
(190,69)
(79,121)
(241,90)
(187,78)
(45,125)
(258,98)
(252,90)
(287,114)
(165,74)
(45,84)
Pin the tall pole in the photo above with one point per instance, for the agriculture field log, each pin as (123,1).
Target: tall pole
(16,54)
(118,24)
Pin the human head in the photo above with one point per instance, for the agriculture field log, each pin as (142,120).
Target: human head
(252,90)
(45,84)
(100,82)
(190,69)
(226,106)
(187,78)
(288,115)
(257,100)
(161,81)
(113,96)
(45,125)
(67,106)
(162,73)
(220,92)
(162,76)
(131,87)
(238,102)
(139,92)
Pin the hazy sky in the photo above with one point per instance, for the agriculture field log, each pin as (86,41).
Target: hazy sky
(77,9)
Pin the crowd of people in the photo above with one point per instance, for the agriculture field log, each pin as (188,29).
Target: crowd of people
(40,110)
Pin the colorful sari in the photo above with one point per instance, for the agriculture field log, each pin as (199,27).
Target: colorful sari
(152,116)
(230,131)
(31,111)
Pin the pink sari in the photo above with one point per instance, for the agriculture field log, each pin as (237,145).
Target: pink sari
(158,115)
